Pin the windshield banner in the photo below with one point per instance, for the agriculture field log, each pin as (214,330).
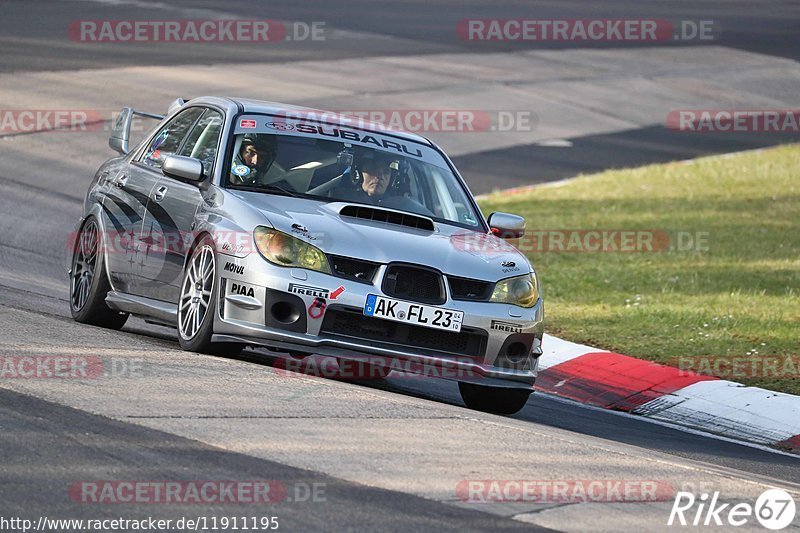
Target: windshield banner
(340,131)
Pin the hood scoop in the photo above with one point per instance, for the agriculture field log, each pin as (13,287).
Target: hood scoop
(388,217)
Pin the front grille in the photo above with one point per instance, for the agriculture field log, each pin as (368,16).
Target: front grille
(470,289)
(389,217)
(354,269)
(414,283)
(351,323)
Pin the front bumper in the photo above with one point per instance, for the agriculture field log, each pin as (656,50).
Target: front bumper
(262,304)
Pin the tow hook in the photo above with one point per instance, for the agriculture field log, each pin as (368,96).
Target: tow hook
(317,308)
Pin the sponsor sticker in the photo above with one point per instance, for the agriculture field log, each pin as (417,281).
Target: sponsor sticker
(241,170)
(242,289)
(509,327)
(309,290)
(233,268)
(337,292)
(280,126)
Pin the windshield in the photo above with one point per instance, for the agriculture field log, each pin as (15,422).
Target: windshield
(303,160)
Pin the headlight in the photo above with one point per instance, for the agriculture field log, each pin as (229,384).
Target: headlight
(522,291)
(285,250)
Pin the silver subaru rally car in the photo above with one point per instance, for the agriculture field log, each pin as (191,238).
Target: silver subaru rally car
(248,223)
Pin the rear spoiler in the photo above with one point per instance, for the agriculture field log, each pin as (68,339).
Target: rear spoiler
(121,133)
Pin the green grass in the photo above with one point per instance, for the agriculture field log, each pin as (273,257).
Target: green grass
(737,297)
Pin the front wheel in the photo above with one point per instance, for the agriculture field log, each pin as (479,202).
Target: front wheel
(198,301)
(498,400)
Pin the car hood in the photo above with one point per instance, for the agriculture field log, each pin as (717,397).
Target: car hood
(450,249)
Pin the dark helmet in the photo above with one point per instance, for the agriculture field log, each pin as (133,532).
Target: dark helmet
(264,144)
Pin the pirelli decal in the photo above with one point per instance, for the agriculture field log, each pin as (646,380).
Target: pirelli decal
(308,290)
(508,327)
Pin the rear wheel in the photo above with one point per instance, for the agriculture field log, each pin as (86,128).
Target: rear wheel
(88,283)
(498,400)
(198,301)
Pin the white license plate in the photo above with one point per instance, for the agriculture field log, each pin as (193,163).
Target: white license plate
(411,313)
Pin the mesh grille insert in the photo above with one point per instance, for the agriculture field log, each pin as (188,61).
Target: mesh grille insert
(414,283)
(470,289)
(355,269)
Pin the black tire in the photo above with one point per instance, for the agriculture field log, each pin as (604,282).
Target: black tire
(197,303)
(498,400)
(88,282)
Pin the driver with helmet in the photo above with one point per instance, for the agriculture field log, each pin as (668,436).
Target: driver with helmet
(377,181)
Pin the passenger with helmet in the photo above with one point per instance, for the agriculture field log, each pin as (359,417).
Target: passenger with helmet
(255,157)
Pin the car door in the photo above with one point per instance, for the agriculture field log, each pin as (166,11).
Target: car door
(141,266)
(172,209)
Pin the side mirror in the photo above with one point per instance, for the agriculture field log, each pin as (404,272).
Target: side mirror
(121,132)
(506,225)
(183,168)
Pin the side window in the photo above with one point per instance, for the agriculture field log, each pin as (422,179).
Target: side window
(202,141)
(169,138)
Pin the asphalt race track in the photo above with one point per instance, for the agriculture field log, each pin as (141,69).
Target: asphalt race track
(382,454)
